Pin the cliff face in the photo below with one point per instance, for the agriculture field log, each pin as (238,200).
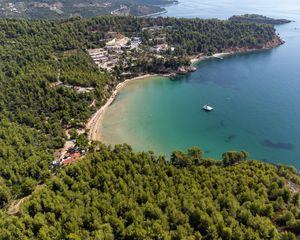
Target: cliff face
(276,41)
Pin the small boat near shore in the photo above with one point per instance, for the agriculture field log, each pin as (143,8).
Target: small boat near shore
(207,108)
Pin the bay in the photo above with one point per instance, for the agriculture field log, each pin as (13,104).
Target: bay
(256,96)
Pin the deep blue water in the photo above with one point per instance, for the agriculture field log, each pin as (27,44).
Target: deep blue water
(256,96)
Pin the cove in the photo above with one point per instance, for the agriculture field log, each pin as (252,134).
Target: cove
(256,97)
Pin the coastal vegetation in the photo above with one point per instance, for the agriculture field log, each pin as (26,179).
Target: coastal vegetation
(49,45)
(118,194)
(50,87)
(255,18)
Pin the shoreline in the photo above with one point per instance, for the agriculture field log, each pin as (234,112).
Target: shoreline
(270,45)
(161,13)
(153,14)
(196,59)
(94,123)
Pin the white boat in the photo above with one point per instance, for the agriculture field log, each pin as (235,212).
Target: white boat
(207,108)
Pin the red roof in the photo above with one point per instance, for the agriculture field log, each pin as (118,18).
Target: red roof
(72,158)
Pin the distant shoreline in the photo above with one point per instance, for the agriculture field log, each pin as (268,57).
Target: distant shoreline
(160,13)
(270,45)
(95,122)
(153,14)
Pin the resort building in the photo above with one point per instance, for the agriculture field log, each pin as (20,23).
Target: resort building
(160,48)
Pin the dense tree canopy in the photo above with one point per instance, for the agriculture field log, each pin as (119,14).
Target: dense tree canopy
(118,194)
(255,18)
(115,193)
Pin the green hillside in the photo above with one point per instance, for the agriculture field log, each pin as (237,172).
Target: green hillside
(118,194)
(50,9)
(50,87)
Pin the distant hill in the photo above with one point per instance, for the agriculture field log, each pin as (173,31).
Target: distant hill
(46,9)
(255,18)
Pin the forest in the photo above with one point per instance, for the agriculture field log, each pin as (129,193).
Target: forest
(255,18)
(184,197)
(115,193)
(30,41)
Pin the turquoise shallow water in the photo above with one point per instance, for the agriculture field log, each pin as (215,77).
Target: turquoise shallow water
(256,97)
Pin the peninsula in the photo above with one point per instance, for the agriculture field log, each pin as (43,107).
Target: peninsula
(255,18)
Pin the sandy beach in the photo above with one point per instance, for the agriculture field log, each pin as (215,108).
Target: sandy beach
(95,121)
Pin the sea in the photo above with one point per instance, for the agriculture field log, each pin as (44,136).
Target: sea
(256,96)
